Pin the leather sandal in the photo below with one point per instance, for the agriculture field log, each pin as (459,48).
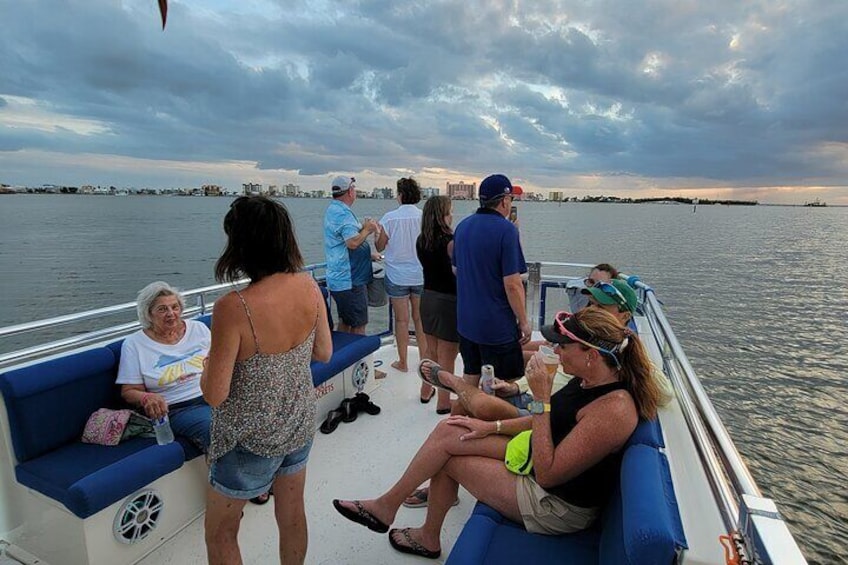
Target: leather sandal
(349,411)
(334,417)
(362,403)
(431,376)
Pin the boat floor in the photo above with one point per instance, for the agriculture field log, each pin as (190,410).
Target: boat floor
(358,460)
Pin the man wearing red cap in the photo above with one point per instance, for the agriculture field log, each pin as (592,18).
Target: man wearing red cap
(491,317)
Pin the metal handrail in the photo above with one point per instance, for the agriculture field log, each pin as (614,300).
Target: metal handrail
(741,476)
(727,473)
(100,335)
(106,311)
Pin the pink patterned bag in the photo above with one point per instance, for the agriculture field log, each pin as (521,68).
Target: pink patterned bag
(105,427)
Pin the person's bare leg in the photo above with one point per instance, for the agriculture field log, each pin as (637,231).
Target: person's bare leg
(291,517)
(442,444)
(446,358)
(488,481)
(401,310)
(223,517)
(432,345)
(475,402)
(424,350)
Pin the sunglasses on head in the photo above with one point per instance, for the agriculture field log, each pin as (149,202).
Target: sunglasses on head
(562,317)
(612,292)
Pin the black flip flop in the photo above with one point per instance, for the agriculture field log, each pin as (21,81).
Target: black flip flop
(361,516)
(414,548)
(334,417)
(349,411)
(363,403)
(429,398)
(431,377)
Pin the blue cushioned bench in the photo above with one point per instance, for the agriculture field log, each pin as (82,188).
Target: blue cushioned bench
(640,524)
(48,404)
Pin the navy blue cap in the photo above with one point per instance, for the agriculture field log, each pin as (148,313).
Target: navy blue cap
(494,186)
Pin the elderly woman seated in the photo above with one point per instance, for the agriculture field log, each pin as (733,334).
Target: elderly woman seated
(161,364)
(577,439)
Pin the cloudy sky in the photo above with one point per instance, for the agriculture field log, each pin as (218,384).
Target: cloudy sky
(727,98)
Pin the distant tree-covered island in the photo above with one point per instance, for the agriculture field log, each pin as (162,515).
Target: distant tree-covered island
(665,200)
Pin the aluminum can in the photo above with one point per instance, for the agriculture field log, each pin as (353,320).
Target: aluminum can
(487,377)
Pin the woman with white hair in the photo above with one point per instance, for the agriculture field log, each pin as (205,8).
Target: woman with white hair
(161,364)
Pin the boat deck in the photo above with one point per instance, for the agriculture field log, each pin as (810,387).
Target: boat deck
(340,468)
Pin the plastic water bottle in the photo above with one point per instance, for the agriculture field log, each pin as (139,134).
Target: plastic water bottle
(487,377)
(162,429)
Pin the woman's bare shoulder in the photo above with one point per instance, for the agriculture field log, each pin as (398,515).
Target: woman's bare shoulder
(616,407)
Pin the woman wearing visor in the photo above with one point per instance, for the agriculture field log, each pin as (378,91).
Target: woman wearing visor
(577,438)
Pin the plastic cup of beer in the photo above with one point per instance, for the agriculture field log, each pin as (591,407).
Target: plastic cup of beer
(550,359)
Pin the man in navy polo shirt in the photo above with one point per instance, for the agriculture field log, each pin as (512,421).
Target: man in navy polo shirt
(491,317)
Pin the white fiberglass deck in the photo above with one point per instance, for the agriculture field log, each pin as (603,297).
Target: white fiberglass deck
(358,460)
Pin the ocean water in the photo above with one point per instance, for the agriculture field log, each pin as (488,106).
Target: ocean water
(757,297)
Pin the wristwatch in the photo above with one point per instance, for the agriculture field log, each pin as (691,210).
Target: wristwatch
(536,407)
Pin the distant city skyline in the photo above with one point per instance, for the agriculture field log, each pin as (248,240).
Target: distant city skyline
(722,100)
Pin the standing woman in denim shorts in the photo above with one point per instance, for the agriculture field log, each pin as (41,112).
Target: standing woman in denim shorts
(404,276)
(258,380)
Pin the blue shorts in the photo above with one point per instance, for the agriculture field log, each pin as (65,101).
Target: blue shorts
(352,305)
(245,475)
(507,358)
(520,401)
(402,291)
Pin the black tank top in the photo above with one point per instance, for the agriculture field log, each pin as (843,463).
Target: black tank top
(591,488)
(436,263)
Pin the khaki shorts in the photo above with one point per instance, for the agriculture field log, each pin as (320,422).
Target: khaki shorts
(544,513)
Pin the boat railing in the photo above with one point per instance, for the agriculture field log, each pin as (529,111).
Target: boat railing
(87,328)
(728,475)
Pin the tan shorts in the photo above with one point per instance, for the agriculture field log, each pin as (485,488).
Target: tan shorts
(544,513)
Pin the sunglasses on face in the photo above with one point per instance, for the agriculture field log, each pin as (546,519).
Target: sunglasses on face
(562,317)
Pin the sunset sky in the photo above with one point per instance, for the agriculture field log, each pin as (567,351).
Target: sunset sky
(722,99)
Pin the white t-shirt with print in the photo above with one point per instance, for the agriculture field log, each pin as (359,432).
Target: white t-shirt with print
(170,370)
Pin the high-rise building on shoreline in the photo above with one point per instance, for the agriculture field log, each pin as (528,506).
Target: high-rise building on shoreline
(461,190)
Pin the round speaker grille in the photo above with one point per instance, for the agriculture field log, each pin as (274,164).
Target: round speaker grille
(138,517)
(360,376)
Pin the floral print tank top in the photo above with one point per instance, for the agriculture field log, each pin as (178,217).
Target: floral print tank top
(271,408)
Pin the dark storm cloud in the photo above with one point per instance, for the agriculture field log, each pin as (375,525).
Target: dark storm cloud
(735,92)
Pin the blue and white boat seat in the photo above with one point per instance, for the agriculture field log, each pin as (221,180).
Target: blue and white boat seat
(640,524)
(48,404)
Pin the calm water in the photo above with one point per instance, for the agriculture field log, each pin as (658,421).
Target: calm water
(757,296)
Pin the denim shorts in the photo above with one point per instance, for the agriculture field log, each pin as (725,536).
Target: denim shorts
(402,291)
(520,401)
(352,305)
(244,475)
